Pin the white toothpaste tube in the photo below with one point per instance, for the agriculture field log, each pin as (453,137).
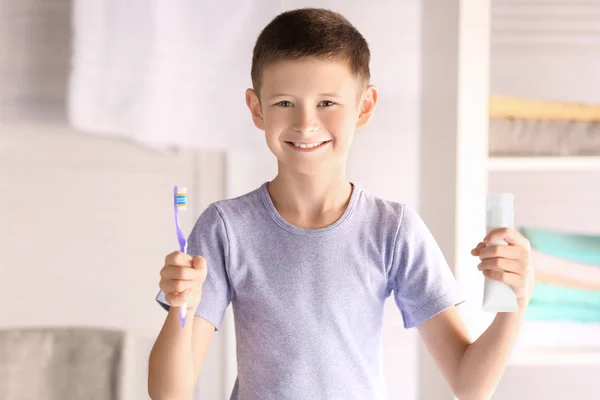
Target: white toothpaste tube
(499,296)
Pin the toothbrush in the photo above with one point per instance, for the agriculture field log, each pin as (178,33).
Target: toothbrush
(180,204)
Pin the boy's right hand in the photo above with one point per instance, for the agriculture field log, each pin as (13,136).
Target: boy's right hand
(181,279)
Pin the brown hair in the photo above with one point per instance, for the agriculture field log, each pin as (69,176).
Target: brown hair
(311,33)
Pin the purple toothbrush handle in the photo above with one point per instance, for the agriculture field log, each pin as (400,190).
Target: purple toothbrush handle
(182,248)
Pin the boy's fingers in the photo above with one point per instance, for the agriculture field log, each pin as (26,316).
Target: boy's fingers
(177,272)
(201,267)
(198,262)
(499,264)
(478,249)
(502,251)
(177,299)
(511,236)
(179,258)
(175,285)
(513,280)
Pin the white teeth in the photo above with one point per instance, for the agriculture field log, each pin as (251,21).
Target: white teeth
(307,145)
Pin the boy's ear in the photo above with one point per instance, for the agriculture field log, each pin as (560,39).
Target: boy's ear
(253,104)
(367,106)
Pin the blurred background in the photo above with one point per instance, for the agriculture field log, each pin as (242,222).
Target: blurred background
(104,106)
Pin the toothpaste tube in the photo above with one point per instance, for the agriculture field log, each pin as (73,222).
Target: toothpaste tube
(499,296)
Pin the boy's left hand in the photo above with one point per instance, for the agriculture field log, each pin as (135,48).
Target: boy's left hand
(507,263)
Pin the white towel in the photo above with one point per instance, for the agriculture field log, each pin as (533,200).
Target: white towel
(111,45)
(166,73)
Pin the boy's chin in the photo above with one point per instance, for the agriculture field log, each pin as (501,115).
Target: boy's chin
(309,169)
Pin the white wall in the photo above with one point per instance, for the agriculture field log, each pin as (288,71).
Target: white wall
(77,251)
(546,49)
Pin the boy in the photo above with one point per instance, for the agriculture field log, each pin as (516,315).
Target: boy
(308,259)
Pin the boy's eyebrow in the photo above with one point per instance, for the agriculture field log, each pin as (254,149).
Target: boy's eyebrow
(277,95)
(332,94)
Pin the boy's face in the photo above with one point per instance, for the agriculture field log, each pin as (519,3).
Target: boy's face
(309,110)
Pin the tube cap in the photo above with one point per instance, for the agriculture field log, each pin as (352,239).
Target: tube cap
(500,210)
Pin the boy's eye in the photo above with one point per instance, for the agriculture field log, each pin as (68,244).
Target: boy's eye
(286,103)
(326,103)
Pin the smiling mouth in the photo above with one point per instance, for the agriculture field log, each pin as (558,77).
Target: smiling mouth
(307,146)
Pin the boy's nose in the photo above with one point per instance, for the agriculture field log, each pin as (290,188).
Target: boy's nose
(305,123)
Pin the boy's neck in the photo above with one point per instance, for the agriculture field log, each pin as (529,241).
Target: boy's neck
(310,202)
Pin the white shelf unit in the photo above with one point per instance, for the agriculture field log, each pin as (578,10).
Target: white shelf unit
(543,345)
(560,354)
(558,163)
(557,343)
(455,168)
(555,357)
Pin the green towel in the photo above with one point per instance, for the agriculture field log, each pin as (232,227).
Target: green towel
(555,295)
(581,248)
(536,312)
(553,303)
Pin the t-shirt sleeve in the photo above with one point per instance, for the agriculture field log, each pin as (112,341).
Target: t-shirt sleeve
(421,279)
(209,240)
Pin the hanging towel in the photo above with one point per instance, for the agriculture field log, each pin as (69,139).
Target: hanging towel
(166,74)
(111,49)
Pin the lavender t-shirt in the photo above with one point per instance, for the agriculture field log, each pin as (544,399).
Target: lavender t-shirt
(308,303)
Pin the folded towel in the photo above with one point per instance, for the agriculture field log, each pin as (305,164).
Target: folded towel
(559,303)
(547,265)
(575,247)
(543,137)
(540,312)
(558,280)
(558,334)
(560,296)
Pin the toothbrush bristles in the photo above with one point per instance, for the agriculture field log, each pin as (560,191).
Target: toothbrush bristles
(181,198)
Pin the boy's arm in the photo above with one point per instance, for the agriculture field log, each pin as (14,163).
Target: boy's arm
(474,369)
(177,357)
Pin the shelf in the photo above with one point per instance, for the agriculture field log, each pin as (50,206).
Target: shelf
(587,163)
(554,357)
(549,343)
